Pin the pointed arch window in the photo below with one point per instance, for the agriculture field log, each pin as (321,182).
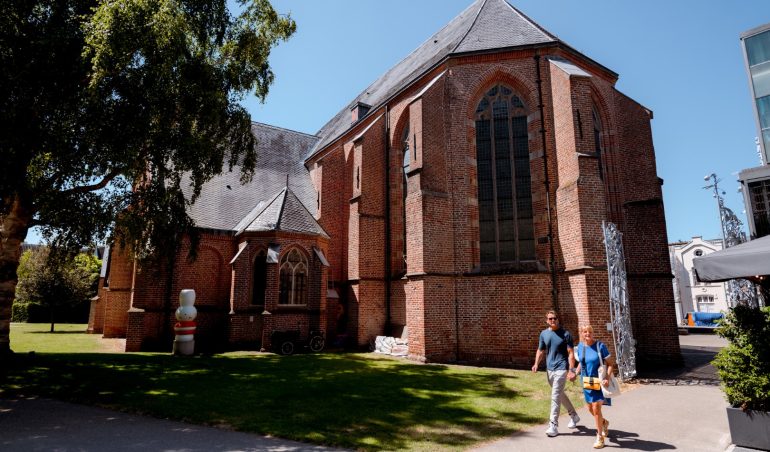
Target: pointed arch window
(404,187)
(293,289)
(260,278)
(506,232)
(598,140)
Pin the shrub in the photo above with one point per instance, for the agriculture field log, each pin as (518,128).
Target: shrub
(744,365)
(19,311)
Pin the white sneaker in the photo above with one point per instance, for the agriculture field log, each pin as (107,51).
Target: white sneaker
(553,430)
(574,419)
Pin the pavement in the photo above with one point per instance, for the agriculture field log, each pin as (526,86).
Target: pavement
(37,424)
(647,417)
(668,409)
(675,409)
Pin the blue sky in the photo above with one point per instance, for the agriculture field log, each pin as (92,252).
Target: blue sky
(680,58)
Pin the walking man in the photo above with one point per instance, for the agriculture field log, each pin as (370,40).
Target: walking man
(556,343)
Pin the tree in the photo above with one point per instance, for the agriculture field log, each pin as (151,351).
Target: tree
(56,281)
(107,106)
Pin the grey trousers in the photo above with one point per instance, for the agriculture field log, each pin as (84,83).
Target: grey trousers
(557,379)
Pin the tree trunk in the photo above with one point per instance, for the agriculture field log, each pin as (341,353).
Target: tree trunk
(13,231)
(52,318)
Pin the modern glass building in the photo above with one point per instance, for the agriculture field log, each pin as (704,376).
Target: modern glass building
(756,181)
(756,49)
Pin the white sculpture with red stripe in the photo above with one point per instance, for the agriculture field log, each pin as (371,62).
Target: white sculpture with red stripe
(184,328)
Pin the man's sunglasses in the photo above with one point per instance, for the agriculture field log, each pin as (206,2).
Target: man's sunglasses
(553,318)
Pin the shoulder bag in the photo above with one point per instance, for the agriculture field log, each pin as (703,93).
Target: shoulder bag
(612,389)
(592,383)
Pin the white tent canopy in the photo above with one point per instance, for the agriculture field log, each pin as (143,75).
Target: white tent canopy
(748,260)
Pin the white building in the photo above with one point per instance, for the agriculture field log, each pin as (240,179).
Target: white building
(690,295)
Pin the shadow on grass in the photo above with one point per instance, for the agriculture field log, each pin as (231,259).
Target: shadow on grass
(343,400)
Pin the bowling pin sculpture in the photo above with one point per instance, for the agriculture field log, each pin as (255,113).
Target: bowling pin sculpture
(184,328)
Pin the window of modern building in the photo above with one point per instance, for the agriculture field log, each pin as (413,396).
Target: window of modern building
(758,57)
(759,197)
(758,48)
(293,289)
(506,232)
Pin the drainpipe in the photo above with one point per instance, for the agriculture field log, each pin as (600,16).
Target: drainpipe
(388,276)
(547,183)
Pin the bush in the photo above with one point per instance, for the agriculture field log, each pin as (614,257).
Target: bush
(19,311)
(744,365)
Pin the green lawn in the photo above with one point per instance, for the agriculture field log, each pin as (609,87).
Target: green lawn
(359,401)
(66,338)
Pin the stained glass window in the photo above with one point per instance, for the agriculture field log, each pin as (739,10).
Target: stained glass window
(293,280)
(506,233)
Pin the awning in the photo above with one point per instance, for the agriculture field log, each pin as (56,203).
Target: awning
(748,260)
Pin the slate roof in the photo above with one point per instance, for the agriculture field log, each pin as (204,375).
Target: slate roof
(224,202)
(485,25)
(284,213)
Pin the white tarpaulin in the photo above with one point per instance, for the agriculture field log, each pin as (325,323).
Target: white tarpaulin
(747,260)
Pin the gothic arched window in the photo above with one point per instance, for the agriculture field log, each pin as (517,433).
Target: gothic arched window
(405,167)
(260,279)
(506,233)
(293,288)
(598,140)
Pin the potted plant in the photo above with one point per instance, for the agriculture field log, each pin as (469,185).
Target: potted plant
(744,369)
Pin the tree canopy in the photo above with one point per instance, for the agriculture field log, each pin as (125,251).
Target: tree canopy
(56,281)
(106,104)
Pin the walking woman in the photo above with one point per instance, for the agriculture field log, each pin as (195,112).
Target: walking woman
(589,360)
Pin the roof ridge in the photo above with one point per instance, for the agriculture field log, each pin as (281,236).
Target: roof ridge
(528,19)
(303,205)
(473,22)
(257,123)
(396,65)
(257,214)
(309,215)
(283,205)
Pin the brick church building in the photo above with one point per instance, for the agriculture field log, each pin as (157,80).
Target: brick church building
(459,197)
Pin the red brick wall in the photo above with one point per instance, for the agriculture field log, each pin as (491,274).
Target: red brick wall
(96,311)
(452,310)
(110,315)
(226,315)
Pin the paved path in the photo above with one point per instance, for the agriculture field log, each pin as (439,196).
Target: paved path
(647,418)
(50,425)
(675,415)
(683,409)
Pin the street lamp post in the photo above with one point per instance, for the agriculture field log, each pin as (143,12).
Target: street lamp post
(720,203)
(739,291)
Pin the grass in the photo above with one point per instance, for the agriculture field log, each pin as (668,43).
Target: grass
(359,401)
(66,338)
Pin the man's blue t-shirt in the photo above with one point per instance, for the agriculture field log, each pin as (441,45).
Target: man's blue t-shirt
(556,342)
